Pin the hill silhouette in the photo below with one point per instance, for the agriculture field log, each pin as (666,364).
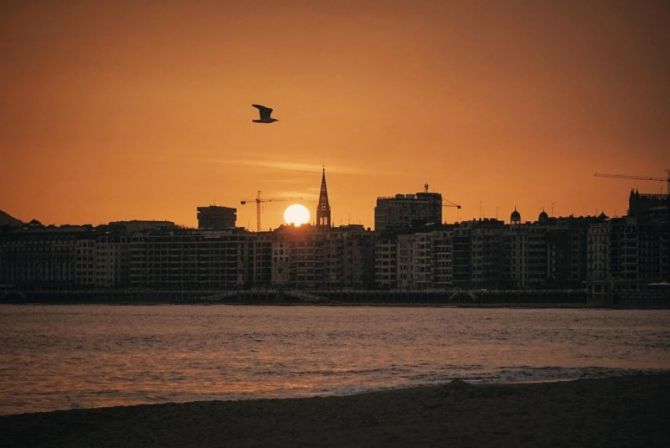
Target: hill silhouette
(8,220)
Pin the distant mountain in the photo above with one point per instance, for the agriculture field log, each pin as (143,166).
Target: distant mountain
(7,220)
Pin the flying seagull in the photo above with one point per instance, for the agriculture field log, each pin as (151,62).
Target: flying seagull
(265,114)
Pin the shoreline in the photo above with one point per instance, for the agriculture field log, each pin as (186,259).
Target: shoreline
(615,411)
(326,304)
(556,298)
(520,305)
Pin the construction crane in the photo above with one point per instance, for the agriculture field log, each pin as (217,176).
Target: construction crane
(448,203)
(625,176)
(259,201)
(445,202)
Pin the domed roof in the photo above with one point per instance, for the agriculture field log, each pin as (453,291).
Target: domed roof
(543,216)
(515,216)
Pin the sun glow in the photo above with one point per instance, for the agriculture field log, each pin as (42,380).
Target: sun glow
(296,214)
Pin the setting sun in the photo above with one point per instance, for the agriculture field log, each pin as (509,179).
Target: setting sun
(296,214)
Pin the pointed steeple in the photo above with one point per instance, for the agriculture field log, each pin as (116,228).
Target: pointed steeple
(323,209)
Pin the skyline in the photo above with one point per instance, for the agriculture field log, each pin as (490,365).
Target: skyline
(120,111)
(295,213)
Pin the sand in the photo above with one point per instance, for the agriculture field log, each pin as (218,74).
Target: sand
(632,411)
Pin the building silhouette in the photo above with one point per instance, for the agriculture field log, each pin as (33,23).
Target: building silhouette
(610,258)
(515,217)
(407,211)
(649,206)
(315,257)
(215,217)
(188,259)
(323,218)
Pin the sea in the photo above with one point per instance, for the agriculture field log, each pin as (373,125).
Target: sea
(56,357)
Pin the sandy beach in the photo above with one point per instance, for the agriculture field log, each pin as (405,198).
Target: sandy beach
(632,411)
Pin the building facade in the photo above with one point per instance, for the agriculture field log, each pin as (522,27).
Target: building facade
(406,211)
(215,217)
(323,257)
(605,256)
(187,260)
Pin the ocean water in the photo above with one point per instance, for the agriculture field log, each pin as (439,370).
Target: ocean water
(82,356)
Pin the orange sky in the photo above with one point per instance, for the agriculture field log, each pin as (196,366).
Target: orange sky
(142,110)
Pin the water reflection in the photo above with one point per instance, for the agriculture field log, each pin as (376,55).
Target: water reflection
(61,357)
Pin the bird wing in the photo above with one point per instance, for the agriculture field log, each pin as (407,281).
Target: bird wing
(264,111)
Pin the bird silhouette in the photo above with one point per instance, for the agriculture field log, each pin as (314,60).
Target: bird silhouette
(265,113)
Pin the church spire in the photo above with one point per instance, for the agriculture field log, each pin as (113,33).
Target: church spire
(323,209)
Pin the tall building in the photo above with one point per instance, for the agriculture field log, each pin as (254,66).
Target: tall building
(386,261)
(404,211)
(323,209)
(188,259)
(415,260)
(654,207)
(40,258)
(62,258)
(488,261)
(319,257)
(627,254)
(215,217)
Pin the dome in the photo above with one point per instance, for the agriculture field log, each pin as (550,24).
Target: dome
(543,217)
(515,216)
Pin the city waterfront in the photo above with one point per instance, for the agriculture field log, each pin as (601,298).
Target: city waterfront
(82,356)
